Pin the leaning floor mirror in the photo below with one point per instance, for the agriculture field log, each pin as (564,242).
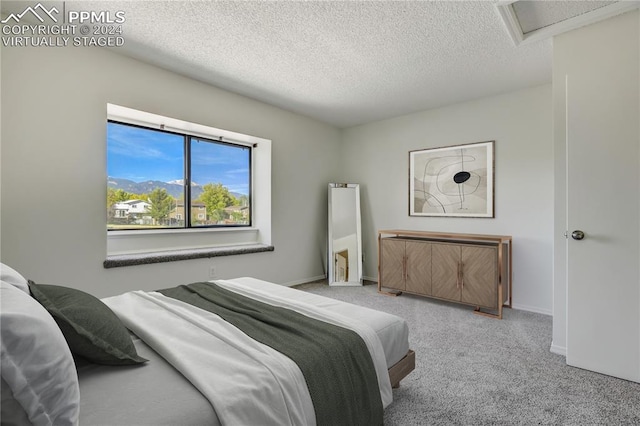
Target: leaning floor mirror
(345,240)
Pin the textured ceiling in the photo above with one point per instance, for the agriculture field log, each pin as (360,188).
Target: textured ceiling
(344,62)
(341,62)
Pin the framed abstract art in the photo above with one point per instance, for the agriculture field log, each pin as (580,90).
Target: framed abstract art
(453,181)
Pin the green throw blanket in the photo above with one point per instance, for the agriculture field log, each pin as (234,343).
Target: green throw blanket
(335,361)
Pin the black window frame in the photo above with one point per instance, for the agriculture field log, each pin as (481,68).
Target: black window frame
(187,139)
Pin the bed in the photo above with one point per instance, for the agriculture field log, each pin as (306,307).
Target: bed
(187,365)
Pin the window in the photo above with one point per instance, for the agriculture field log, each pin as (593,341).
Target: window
(154,173)
(151,237)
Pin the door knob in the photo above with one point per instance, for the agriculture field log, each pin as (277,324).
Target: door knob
(577,235)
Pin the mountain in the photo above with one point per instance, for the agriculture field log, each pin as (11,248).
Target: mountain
(181,182)
(174,188)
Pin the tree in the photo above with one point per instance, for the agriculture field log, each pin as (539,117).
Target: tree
(237,216)
(161,205)
(116,196)
(243,200)
(216,197)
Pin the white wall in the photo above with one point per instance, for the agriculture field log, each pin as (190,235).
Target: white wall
(377,156)
(53,174)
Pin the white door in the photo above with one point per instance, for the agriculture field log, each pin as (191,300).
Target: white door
(603,191)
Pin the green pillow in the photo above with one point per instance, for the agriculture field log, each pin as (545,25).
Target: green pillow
(91,329)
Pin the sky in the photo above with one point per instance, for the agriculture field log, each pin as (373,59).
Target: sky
(141,154)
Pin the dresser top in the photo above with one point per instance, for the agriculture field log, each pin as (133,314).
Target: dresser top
(446,235)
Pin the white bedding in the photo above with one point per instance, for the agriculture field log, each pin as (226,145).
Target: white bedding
(392,330)
(273,386)
(246,382)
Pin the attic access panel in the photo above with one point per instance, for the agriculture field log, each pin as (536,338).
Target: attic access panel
(527,21)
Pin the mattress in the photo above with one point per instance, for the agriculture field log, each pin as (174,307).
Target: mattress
(156,393)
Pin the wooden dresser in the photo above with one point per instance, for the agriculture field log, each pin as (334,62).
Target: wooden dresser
(471,269)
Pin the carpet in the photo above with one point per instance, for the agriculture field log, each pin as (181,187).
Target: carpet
(474,370)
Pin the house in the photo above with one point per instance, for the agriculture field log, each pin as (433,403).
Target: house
(237,214)
(198,212)
(133,211)
(54,104)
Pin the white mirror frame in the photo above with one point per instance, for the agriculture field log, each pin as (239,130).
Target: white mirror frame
(339,240)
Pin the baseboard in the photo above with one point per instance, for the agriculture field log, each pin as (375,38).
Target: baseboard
(304,280)
(532,309)
(319,278)
(559,350)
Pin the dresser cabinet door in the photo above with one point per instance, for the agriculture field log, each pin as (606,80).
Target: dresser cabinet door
(479,276)
(392,263)
(461,268)
(418,264)
(445,275)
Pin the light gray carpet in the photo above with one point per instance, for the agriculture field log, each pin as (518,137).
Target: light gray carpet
(473,370)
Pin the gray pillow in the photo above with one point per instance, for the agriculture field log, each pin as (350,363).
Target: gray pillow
(91,329)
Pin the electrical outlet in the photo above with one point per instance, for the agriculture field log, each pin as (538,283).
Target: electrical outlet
(212,272)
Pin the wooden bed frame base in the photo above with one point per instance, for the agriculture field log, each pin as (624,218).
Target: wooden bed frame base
(402,368)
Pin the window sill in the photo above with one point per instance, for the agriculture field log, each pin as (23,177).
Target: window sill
(116,261)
